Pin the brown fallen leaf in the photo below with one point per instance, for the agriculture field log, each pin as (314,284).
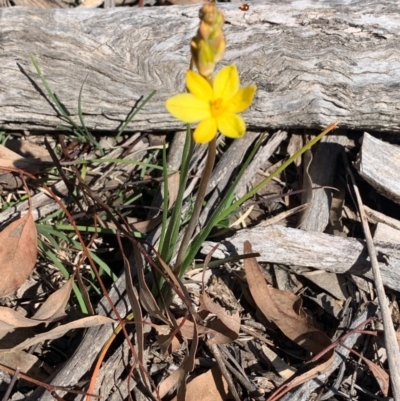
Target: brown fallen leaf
(18,252)
(173,188)
(28,149)
(380,374)
(84,323)
(187,329)
(8,158)
(170,383)
(10,320)
(226,326)
(284,310)
(210,386)
(281,367)
(54,307)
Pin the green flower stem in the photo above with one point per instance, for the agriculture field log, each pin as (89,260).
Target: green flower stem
(222,211)
(172,231)
(205,178)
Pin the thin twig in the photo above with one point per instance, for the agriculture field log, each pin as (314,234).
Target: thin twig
(392,348)
(11,385)
(221,364)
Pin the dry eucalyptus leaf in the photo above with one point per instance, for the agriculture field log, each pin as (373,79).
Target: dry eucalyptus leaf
(54,307)
(380,374)
(86,322)
(284,309)
(282,368)
(187,329)
(28,149)
(170,383)
(18,252)
(8,158)
(173,188)
(10,320)
(210,386)
(227,326)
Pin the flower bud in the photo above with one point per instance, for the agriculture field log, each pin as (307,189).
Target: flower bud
(208,46)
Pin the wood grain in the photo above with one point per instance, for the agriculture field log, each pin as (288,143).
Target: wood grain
(293,247)
(314,62)
(379,164)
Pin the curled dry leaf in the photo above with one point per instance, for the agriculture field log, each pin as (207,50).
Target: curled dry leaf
(284,309)
(54,307)
(379,373)
(170,383)
(167,341)
(18,252)
(86,322)
(10,320)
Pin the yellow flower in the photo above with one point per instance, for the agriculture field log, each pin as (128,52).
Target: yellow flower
(214,106)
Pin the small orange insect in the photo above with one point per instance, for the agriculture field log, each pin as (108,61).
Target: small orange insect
(244,7)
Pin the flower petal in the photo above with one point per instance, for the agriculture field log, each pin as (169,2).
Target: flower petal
(205,131)
(242,100)
(231,125)
(188,108)
(226,83)
(199,86)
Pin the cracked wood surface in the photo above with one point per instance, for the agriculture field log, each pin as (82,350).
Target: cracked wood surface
(293,247)
(314,62)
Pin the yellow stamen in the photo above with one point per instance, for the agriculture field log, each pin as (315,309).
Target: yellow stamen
(216,107)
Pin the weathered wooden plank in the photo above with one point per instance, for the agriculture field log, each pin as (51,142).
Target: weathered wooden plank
(314,62)
(321,172)
(379,164)
(289,246)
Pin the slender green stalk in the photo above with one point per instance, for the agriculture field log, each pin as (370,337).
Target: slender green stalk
(289,161)
(173,227)
(166,197)
(222,211)
(205,178)
(133,114)
(205,231)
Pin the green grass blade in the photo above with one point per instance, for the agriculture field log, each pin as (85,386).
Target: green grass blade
(289,161)
(56,261)
(175,221)
(166,197)
(133,114)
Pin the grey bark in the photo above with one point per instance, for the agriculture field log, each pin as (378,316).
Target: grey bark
(289,246)
(314,62)
(321,172)
(379,165)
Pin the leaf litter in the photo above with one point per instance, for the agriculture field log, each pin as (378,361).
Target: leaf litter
(293,333)
(18,253)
